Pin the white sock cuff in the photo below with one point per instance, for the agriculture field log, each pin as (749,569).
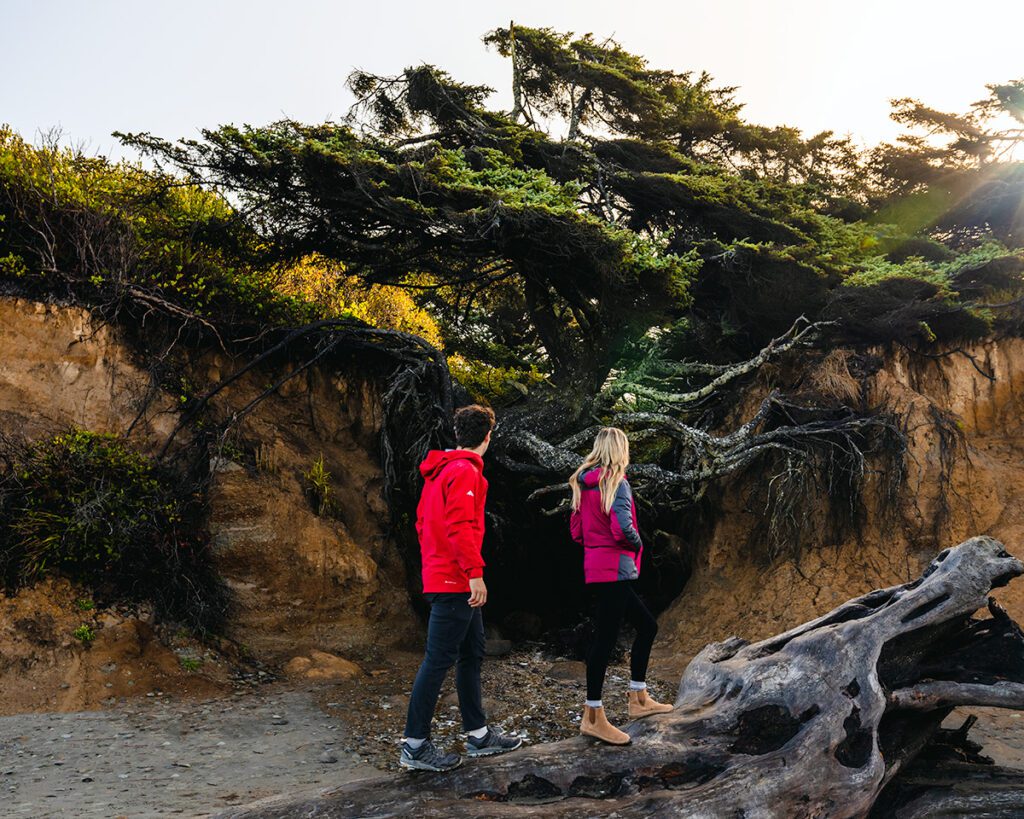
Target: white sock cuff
(637,686)
(414,743)
(594,704)
(479,733)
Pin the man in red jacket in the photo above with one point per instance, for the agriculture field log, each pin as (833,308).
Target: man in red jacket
(450,526)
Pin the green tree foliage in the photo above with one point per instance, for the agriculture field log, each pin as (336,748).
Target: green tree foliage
(102,232)
(661,203)
(957,176)
(466,218)
(601,87)
(80,225)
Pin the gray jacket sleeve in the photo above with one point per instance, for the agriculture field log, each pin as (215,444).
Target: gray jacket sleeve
(622,509)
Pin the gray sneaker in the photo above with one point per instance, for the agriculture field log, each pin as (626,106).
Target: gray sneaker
(493,742)
(428,757)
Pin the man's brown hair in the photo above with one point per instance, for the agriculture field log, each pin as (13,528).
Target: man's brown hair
(472,424)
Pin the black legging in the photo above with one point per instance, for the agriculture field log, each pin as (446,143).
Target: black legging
(616,600)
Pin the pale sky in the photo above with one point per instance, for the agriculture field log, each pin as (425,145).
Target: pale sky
(92,67)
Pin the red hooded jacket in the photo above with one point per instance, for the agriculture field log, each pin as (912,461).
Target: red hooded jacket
(450,519)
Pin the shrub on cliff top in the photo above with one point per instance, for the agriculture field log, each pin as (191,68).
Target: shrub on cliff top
(77,225)
(88,507)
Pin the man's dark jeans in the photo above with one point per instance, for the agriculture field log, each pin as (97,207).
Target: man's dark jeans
(455,636)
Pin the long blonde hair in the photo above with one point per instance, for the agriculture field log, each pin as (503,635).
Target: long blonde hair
(611,454)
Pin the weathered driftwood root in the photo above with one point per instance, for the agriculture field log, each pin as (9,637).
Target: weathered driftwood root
(950,778)
(811,723)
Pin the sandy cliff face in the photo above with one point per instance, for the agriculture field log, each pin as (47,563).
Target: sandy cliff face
(57,369)
(730,593)
(47,664)
(299,580)
(335,582)
(302,580)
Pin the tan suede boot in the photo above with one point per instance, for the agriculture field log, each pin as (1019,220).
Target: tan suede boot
(595,724)
(642,704)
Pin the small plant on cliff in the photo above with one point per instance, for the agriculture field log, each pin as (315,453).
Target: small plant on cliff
(85,634)
(88,507)
(319,481)
(191,663)
(84,604)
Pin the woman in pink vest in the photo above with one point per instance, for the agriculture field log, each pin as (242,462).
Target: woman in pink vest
(604,522)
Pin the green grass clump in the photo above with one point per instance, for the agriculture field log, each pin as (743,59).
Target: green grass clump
(88,507)
(191,663)
(318,481)
(84,633)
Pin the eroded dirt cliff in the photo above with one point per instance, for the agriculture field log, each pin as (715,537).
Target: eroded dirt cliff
(299,579)
(335,581)
(962,414)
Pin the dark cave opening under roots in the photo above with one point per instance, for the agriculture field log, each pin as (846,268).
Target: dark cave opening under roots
(534,573)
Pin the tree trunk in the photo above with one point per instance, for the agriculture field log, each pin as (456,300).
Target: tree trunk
(811,723)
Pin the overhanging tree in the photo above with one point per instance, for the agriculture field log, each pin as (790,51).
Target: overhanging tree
(662,220)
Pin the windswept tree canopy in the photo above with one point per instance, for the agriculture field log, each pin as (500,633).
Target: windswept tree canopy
(958,176)
(660,206)
(447,219)
(622,245)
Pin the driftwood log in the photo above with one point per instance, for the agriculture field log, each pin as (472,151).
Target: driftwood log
(815,722)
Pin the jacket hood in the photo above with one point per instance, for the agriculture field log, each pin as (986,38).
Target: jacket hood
(592,477)
(438,459)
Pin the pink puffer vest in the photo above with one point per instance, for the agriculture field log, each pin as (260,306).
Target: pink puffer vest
(611,542)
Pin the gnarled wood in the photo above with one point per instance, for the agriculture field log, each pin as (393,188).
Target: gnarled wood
(931,695)
(800,725)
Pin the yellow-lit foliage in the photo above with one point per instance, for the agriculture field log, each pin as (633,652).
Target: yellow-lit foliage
(491,384)
(334,293)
